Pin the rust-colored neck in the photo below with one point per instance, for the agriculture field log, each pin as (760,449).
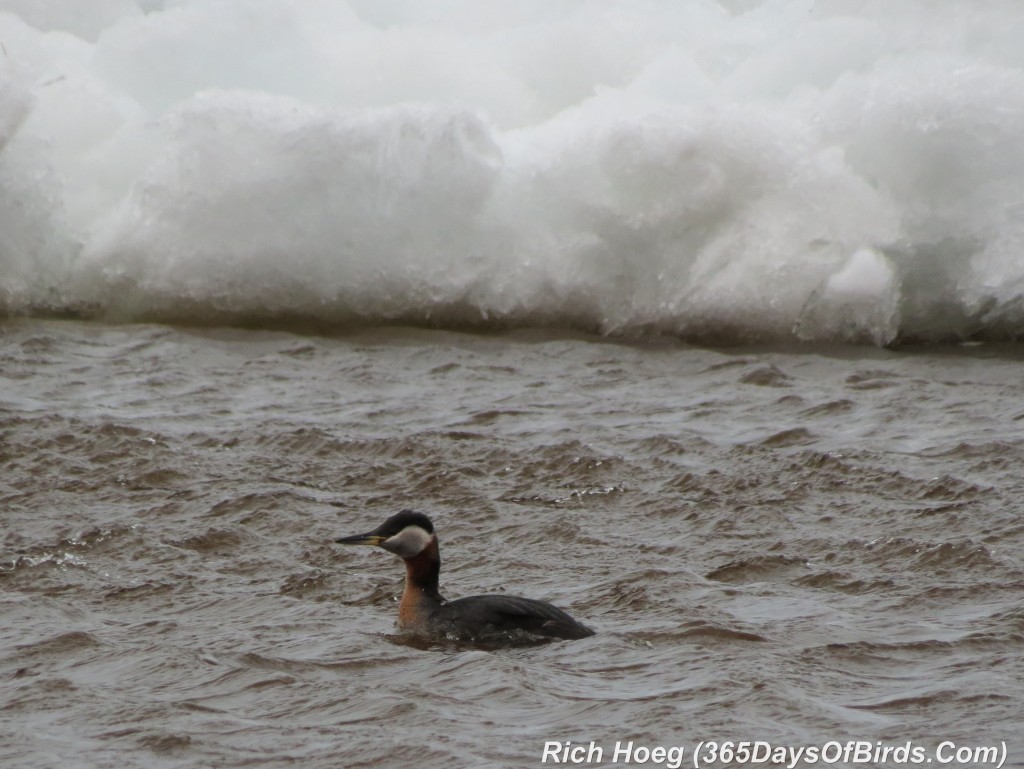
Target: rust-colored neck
(421,595)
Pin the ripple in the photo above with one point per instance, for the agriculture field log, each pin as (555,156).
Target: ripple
(766,376)
(794,436)
(64,643)
(759,569)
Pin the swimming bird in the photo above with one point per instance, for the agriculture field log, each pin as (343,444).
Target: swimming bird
(423,611)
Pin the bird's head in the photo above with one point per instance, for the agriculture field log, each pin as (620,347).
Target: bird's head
(406,534)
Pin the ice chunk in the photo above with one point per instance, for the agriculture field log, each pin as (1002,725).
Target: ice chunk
(858,303)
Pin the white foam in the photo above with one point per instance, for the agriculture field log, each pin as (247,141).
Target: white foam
(745,170)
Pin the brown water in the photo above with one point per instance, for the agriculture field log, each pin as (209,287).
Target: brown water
(795,546)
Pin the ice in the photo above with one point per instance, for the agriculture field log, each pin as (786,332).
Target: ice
(259,204)
(735,171)
(859,303)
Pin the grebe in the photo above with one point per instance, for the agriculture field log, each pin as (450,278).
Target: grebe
(480,618)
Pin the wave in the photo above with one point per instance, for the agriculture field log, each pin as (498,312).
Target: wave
(726,171)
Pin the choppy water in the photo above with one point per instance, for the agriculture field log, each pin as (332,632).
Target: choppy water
(795,546)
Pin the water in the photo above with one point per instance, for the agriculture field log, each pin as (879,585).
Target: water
(796,546)
(695,319)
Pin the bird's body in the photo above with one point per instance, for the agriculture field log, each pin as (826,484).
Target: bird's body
(480,618)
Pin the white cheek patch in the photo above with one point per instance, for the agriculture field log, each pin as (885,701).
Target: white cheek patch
(407,543)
